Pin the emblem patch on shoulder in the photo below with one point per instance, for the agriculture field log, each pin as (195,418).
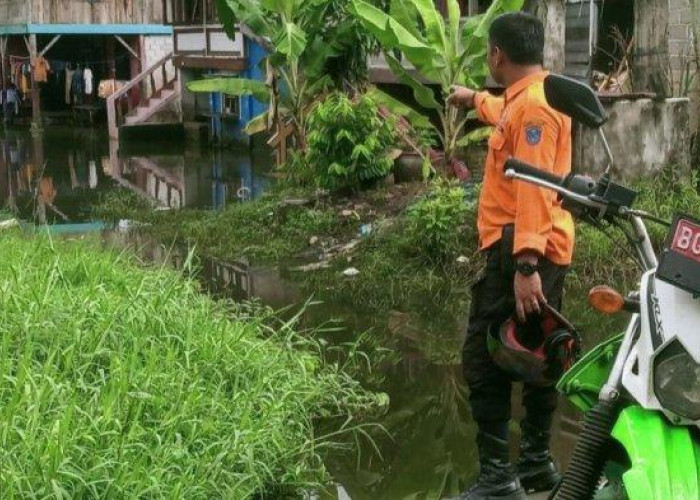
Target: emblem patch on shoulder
(533,134)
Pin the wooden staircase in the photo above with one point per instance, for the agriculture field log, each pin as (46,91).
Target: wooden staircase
(144,96)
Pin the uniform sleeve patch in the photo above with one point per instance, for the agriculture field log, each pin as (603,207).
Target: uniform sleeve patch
(533,134)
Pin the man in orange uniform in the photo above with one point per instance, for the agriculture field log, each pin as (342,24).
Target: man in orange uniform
(528,240)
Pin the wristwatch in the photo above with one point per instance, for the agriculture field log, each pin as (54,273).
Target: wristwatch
(526,269)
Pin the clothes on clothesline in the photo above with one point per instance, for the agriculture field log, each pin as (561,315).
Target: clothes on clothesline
(87,79)
(9,99)
(42,68)
(108,87)
(68,83)
(78,83)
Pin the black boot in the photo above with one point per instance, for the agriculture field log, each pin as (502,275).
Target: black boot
(497,479)
(536,468)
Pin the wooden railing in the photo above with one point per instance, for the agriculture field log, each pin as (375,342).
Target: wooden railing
(138,92)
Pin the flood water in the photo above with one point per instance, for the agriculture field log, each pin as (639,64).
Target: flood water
(58,176)
(427,448)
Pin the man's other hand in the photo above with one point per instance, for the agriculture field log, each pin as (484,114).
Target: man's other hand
(461,97)
(528,295)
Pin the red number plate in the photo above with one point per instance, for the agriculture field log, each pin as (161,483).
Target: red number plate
(686,241)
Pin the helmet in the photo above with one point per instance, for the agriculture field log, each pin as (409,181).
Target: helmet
(537,352)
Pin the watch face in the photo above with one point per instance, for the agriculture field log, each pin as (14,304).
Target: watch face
(527,269)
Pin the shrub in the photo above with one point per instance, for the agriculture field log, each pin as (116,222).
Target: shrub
(439,226)
(348,142)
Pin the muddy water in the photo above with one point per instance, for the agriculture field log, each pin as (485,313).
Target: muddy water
(426,446)
(58,176)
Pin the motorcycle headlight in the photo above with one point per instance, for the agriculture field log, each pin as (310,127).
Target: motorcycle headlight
(676,385)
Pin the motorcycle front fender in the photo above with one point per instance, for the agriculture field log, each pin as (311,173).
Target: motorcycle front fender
(665,459)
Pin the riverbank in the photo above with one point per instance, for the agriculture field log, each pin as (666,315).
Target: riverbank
(405,249)
(117,380)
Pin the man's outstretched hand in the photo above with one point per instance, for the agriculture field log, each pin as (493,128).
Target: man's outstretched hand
(461,97)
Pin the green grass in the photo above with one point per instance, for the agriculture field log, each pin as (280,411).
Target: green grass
(120,382)
(262,230)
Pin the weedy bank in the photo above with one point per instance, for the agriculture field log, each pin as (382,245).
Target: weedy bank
(421,257)
(122,382)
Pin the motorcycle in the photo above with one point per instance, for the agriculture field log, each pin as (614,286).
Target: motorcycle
(640,391)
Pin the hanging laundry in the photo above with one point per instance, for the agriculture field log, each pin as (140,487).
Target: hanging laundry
(41,70)
(77,85)
(23,82)
(87,77)
(69,84)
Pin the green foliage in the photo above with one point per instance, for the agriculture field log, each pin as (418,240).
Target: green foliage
(121,204)
(442,50)
(120,382)
(262,229)
(437,223)
(313,45)
(232,86)
(597,260)
(349,142)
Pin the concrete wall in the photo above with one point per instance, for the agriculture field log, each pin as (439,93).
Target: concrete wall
(644,136)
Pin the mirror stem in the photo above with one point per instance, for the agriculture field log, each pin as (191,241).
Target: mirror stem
(608,153)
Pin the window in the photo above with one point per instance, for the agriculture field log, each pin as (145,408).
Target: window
(231,106)
(192,12)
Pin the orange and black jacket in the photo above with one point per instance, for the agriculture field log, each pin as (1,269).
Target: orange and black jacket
(528,129)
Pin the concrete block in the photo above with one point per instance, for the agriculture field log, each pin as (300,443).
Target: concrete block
(644,136)
(679,32)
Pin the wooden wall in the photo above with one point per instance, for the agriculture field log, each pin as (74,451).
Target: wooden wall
(14,11)
(96,12)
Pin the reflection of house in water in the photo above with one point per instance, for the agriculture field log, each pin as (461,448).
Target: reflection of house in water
(173,182)
(82,166)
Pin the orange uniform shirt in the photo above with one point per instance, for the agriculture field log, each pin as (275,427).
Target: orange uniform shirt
(528,129)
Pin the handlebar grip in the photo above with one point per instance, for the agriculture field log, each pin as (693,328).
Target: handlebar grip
(525,169)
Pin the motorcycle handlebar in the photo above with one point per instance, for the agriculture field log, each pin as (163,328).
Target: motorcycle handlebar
(523,168)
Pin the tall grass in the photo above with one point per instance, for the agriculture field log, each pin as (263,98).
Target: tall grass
(119,382)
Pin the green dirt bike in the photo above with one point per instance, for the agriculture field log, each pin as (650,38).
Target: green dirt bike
(640,391)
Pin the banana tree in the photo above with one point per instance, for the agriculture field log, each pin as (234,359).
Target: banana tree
(302,38)
(443,51)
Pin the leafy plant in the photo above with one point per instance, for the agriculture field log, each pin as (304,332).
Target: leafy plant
(443,52)
(313,46)
(435,223)
(349,142)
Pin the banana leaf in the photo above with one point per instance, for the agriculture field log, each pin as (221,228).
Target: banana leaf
(434,24)
(291,40)
(475,136)
(399,108)
(424,95)
(258,124)
(232,86)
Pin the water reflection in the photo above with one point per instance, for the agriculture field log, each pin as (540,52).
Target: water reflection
(58,176)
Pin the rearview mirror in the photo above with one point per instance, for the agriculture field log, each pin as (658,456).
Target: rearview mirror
(575,99)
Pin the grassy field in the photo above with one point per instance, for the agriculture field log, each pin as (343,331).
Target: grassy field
(120,382)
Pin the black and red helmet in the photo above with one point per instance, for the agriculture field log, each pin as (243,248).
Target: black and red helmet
(537,352)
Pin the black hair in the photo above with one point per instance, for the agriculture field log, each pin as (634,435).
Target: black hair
(520,35)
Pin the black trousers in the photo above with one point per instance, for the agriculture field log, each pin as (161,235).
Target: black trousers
(493,301)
